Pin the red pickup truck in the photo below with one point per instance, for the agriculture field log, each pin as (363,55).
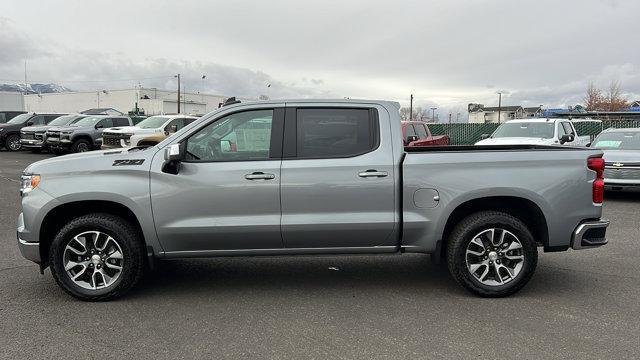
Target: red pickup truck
(417,133)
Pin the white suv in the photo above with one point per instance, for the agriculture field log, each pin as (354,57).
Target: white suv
(127,136)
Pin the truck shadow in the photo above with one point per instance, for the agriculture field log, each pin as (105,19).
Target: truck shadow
(408,275)
(299,273)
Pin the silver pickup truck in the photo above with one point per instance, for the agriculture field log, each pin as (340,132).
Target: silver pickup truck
(307,177)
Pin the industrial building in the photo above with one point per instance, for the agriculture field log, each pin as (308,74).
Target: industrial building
(151,101)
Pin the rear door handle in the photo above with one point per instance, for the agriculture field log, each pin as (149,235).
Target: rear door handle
(258,175)
(372,173)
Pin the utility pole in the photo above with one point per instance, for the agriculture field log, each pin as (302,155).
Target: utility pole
(25,72)
(411,108)
(499,104)
(178,76)
(449,118)
(433,114)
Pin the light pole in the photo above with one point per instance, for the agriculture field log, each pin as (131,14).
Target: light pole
(202,91)
(499,104)
(178,76)
(433,114)
(411,108)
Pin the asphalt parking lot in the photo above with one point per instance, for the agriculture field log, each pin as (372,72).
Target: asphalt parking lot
(579,304)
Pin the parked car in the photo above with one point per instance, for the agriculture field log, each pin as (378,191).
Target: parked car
(536,132)
(83,135)
(8,115)
(34,137)
(10,131)
(417,133)
(127,136)
(622,158)
(324,177)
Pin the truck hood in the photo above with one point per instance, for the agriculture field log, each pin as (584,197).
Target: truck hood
(69,128)
(11,127)
(93,162)
(515,141)
(123,129)
(38,128)
(622,156)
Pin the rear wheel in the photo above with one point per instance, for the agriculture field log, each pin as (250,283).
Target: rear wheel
(97,257)
(13,143)
(80,146)
(492,254)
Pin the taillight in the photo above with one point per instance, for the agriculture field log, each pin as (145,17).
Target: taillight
(597,165)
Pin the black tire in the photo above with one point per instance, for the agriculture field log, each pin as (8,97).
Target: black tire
(81,145)
(465,231)
(12,142)
(120,230)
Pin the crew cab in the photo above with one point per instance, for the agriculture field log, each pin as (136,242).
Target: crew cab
(127,136)
(417,133)
(83,135)
(307,177)
(541,131)
(10,131)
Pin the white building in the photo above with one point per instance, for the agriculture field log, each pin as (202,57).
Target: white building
(152,101)
(11,101)
(478,113)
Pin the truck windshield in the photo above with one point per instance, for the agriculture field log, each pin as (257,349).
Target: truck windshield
(542,130)
(20,119)
(618,141)
(66,120)
(88,121)
(152,122)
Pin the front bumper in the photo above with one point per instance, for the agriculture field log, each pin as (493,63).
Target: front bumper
(590,234)
(57,143)
(32,144)
(29,250)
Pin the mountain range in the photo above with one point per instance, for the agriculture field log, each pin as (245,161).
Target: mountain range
(33,88)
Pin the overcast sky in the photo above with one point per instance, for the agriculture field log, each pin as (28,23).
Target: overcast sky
(447,52)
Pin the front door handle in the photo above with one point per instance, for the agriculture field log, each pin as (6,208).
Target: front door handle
(258,175)
(372,173)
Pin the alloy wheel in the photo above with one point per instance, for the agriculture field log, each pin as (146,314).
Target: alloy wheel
(494,256)
(93,260)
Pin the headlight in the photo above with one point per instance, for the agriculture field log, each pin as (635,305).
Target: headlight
(28,183)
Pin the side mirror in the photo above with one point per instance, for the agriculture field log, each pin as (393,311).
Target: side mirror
(484,136)
(173,155)
(412,138)
(99,126)
(566,138)
(588,145)
(30,123)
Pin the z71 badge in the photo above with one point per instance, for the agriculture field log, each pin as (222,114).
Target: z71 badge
(128,162)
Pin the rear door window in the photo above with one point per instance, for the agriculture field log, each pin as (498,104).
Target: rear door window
(335,132)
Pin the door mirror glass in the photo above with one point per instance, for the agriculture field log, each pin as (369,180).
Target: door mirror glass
(29,123)
(484,136)
(99,126)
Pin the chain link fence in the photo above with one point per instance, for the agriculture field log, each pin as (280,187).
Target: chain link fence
(470,133)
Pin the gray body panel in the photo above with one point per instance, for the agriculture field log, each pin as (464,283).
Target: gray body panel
(313,206)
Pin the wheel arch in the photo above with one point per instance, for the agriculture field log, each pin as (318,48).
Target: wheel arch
(61,214)
(522,208)
(83,137)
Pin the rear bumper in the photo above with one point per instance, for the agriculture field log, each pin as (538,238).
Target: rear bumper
(589,234)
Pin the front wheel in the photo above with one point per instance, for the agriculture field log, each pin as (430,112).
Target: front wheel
(13,143)
(492,254)
(80,146)
(97,257)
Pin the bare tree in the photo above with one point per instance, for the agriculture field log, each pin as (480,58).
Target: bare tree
(419,114)
(615,101)
(593,100)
